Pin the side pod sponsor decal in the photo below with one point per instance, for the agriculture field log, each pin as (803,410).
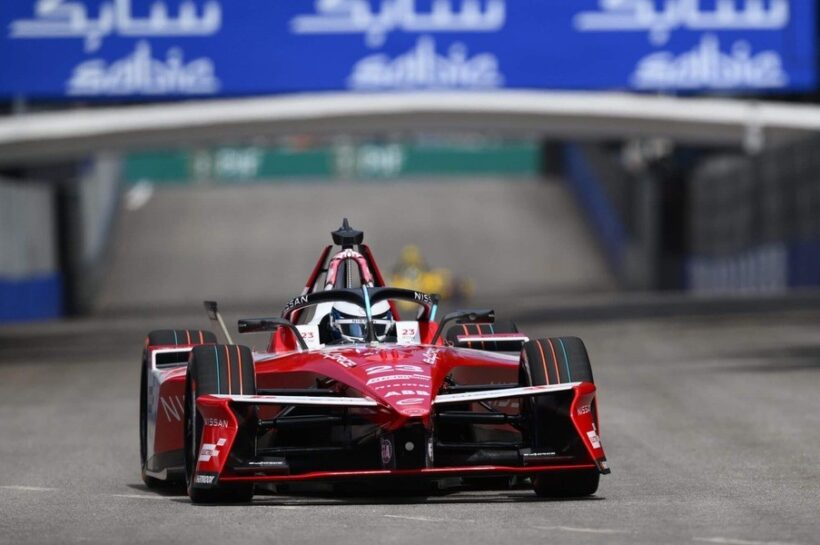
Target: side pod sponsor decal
(593,438)
(204,479)
(341,359)
(209,450)
(173,408)
(387,452)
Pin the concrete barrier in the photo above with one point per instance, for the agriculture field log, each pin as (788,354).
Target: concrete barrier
(89,207)
(31,285)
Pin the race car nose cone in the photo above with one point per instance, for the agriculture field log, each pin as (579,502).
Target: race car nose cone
(421,411)
(404,381)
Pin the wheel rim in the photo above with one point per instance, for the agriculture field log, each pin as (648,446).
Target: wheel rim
(143,415)
(190,444)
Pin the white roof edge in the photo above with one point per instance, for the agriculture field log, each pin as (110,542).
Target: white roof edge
(600,113)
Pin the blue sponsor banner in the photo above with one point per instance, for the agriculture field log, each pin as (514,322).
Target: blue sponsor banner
(179,48)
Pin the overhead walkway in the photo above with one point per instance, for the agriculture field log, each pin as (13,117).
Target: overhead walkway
(72,134)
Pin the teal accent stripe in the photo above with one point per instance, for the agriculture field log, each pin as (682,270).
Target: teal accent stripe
(218,387)
(566,360)
(367,304)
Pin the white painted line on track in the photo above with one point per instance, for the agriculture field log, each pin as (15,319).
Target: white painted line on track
(140,496)
(288,507)
(608,531)
(27,488)
(735,541)
(426,519)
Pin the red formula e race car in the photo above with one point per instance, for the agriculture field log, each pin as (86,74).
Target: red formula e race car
(348,392)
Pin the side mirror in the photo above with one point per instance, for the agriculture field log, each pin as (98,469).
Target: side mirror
(214,315)
(257,325)
(212,310)
(469,316)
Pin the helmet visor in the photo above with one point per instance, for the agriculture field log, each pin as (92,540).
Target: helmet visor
(354,328)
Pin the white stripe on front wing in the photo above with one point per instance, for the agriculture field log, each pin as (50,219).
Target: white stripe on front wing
(507,392)
(301,400)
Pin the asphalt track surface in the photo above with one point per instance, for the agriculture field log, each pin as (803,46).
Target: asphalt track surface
(710,424)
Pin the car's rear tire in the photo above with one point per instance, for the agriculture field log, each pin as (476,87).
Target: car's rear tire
(558,360)
(180,337)
(209,369)
(484,329)
(162,337)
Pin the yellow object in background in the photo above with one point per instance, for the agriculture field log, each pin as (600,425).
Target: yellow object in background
(411,272)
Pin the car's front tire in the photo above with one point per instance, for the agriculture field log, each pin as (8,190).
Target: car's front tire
(209,369)
(558,360)
(566,484)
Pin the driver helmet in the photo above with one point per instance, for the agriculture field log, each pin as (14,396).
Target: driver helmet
(348,322)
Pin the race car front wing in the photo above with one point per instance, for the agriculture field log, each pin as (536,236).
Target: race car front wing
(232,445)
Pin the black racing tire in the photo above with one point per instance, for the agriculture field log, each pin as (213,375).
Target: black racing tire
(558,360)
(162,337)
(214,369)
(555,360)
(566,484)
(483,329)
(149,481)
(178,337)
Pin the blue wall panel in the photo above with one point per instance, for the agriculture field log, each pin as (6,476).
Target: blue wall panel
(590,193)
(804,264)
(775,268)
(34,298)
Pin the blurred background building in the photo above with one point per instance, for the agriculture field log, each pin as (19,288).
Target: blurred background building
(155,152)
